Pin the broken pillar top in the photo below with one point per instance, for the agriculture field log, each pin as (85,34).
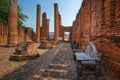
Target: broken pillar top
(38,4)
(38,7)
(56,6)
(44,14)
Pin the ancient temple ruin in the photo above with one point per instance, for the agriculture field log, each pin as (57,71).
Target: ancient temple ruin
(97,21)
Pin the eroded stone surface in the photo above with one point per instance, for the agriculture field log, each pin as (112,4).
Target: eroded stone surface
(24,51)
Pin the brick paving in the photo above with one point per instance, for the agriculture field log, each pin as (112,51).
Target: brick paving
(55,64)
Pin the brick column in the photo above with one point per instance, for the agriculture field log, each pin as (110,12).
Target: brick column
(47,34)
(43,26)
(38,24)
(12,23)
(33,36)
(56,23)
(60,27)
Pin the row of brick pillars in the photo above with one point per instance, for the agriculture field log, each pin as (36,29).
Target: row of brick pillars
(42,32)
(17,34)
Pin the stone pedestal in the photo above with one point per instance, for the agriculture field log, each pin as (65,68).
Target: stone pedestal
(24,51)
(45,45)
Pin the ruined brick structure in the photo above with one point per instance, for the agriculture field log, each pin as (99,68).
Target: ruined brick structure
(12,23)
(45,27)
(38,24)
(64,29)
(98,21)
(3,33)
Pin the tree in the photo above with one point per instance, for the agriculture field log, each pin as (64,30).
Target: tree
(4,13)
(21,17)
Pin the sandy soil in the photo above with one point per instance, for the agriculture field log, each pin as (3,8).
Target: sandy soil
(7,66)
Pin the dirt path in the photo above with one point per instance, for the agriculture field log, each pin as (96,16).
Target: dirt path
(7,66)
(54,64)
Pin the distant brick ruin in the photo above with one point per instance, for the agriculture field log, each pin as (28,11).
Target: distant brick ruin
(98,21)
(11,34)
(58,28)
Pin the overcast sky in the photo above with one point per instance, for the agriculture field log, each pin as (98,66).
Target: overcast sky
(67,8)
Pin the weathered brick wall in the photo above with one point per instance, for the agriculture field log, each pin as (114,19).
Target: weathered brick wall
(111,38)
(85,15)
(30,35)
(21,34)
(99,22)
(75,31)
(3,33)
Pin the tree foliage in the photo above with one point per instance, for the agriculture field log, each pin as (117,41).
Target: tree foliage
(4,13)
(21,17)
